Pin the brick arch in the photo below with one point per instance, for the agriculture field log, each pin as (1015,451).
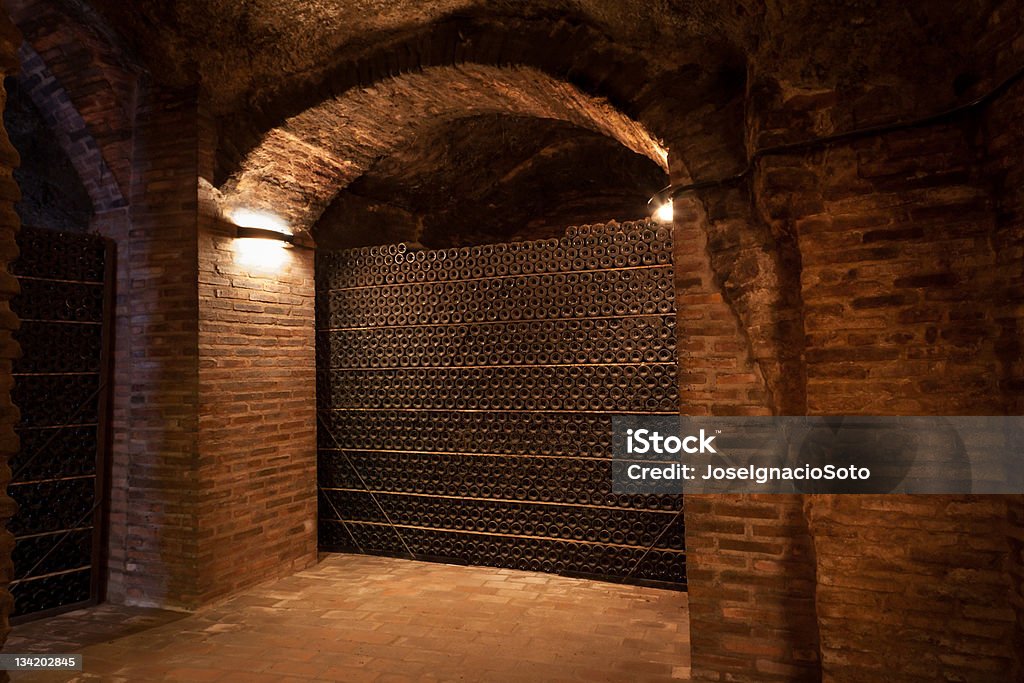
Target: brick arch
(301,165)
(570,48)
(97,77)
(70,130)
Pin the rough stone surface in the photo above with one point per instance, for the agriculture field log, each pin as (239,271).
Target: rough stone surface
(491,179)
(263,52)
(300,167)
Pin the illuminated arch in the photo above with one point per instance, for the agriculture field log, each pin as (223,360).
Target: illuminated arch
(301,165)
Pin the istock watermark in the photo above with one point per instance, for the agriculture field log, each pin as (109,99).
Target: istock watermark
(759,475)
(643,441)
(664,454)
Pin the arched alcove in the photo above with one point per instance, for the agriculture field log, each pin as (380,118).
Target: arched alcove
(490,178)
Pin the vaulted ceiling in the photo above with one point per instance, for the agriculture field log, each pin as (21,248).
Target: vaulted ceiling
(493,160)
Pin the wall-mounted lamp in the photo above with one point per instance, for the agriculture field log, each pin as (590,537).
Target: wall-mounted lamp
(254,224)
(664,214)
(263,239)
(264,234)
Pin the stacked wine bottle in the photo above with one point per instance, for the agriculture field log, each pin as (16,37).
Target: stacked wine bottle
(466,398)
(58,391)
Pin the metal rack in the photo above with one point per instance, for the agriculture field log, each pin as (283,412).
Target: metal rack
(60,388)
(465,400)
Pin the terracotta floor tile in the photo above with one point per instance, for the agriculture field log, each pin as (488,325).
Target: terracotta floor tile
(364,619)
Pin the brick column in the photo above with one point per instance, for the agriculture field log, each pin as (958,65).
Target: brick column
(154,538)
(905,316)
(257,410)
(214,453)
(749,559)
(9,224)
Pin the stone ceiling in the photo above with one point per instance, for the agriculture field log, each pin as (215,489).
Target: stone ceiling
(491,179)
(686,74)
(247,47)
(300,166)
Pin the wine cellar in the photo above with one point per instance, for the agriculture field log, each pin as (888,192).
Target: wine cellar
(328,330)
(466,395)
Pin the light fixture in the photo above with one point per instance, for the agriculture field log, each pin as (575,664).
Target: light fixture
(663,214)
(261,254)
(263,239)
(254,224)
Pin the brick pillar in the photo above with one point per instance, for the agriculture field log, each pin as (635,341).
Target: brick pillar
(905,316)
(9,224)
(154,557)
(257,405)
(749,559)
(257,415)
(214,453)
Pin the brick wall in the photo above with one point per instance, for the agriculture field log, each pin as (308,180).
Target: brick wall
(116,225)
(97,78)
(257,412)
(897,277)
(899,259)
(88,101)
(912,588)
(1000,139)
(884,276)
(717,371)
(213,473)
(70,130)
(1003,139)
(751,589)
(901,312)
(904,304)
(185,506)
(199,382)
(910,284)
(1015,570)
(9,224)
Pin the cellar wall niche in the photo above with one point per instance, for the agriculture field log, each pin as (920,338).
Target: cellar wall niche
(465,398)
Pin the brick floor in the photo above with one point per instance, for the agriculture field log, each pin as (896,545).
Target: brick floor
(360,618)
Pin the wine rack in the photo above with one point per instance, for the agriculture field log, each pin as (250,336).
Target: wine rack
(61,393)
(465,400)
